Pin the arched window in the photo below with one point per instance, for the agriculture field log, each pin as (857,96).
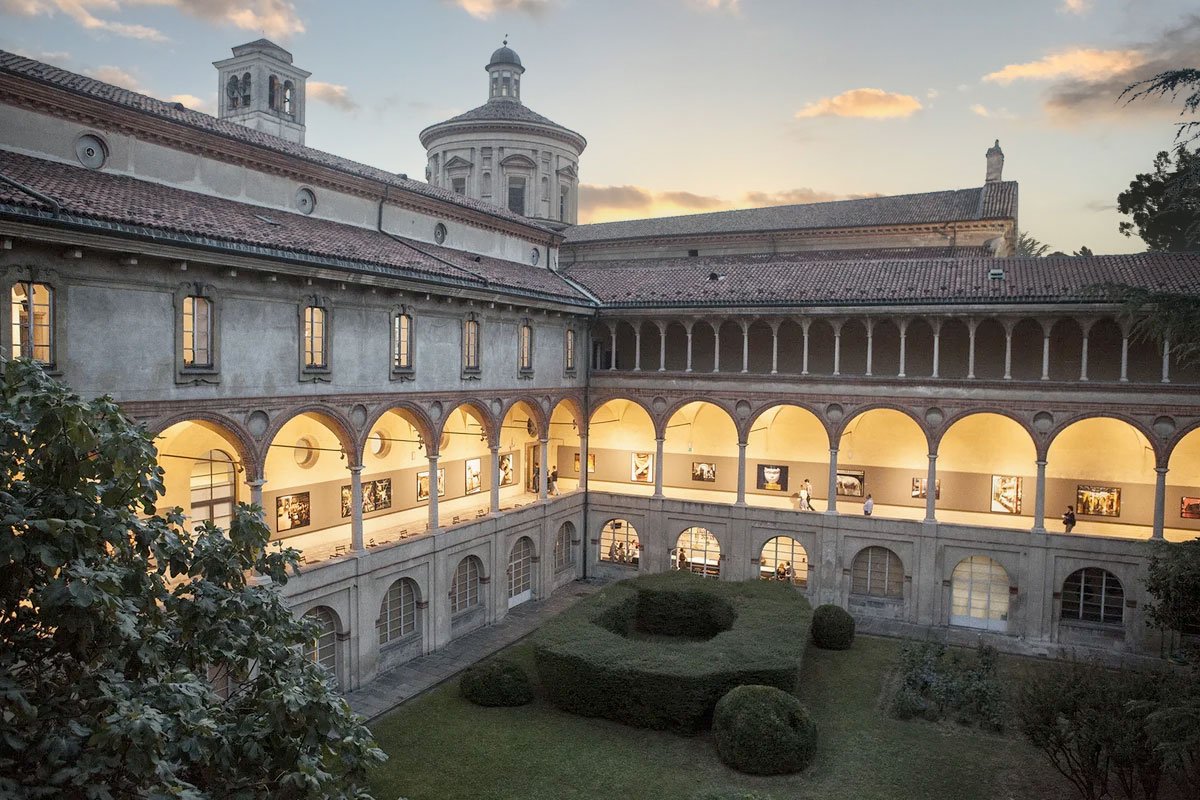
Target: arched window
(516,195)
(569,350)
(464,589)
(213,489)
(316,337)
(397,611)
(402,357)
(233,90)
(526,359)
(486,185)
(246,90)
(877,572)
(979,594)
(323,648)
(520,572)
(197,331)
(289,98)
(619,543)
(33,321)
(470,342)
(1092,594)
(784,559)
(562,204)
(697,550)
(273,94)
(564,553)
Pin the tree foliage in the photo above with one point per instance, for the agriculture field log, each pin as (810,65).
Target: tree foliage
(112,617)
(1173,581)
(1029,247)
(1158,316)
(1165,204)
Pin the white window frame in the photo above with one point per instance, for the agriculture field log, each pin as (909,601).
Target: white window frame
(401,354)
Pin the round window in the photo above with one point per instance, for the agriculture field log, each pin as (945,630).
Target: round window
(378,444)
(439,233)
(535,256)
(306,201)
(306,452)
(91,151)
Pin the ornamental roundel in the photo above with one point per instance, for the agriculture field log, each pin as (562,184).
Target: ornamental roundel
(834,412)
(934,417)
(1043,421)
(1164,426)
(257,423)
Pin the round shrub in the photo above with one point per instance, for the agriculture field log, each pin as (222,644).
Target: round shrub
(659,651)
(496,683)
(762,730)
(832,628)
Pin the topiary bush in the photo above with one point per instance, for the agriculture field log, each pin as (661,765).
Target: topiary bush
(496,683)
(592,662)
(832,628)
(762,730)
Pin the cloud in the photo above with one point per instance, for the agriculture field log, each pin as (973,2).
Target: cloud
(980,110)
(117,77)
(1080,63)
(697,202)
(731,6)
(1075,6)
(801,196)
(866,103)
(332,94)
(273,17)
(49,56)
(608,203)
(192,102)
(486,9)
(1100,205)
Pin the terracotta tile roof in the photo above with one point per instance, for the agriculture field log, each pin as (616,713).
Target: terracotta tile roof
(121,204)
(991,201)
(502,111)
(848,254)
(784,280)
(14,64)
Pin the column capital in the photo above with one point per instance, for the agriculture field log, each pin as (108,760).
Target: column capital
(356,469)
(1161,470)
(257,483)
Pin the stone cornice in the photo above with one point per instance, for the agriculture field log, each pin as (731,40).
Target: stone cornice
(441,130)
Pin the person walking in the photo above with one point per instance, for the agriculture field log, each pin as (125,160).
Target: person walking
(552,486)
(868,506)
(1068,519)
(807,495)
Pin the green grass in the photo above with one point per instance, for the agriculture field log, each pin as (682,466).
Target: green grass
(441,746)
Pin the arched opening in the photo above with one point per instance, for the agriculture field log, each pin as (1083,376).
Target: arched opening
(649,345)
(700,454)
(731,346)
(564,446)
(520,572)
(519,441)
(1181,517)
(626,350)
(1027,351)
(621,439)
(398,612)
(979,594)
(619,543)
(602,349)
(761,347)
(465,469)
(1103,468)
(202,473)
(990,341)
(1093,595)
(820,347)
(676,347)
(704,338)
(885,348)
(784,559)
(880,452)
(852,356)
(986,473)
(877,572)
(1145,360)
(918,349)
(564,547)
(306,468)
(1066,350)
(791,347)
(465,594)
(393,455)
(322,649)
(697,550)
(791,442)
(954,349)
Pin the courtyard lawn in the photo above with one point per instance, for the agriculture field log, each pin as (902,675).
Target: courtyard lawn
(440,747)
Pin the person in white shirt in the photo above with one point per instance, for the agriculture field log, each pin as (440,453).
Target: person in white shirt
(868,505)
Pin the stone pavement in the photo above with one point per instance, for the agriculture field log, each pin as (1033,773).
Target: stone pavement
(421,674)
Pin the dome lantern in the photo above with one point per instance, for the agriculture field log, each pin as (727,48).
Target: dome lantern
(504,74)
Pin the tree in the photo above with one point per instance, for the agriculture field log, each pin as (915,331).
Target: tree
(1030,247)
(112,618)
(1165,203)
(1171,317)
(1173,580)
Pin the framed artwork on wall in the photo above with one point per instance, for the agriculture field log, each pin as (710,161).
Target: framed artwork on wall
(423,483)
(920,488)
(851,483)
(705,471)
(771,477)
(1007,494)
(292,511)
(1189,507)
(1098,501)
(641,467)
(508,475)
(377,495)
(473,471)
(591,462)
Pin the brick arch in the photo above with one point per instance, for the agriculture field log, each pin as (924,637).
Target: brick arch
(600,402)
(491,426)
(1176,440)
(540,420)
(858,412)
(660,423)
(1155,443)
(574,407)
(745,428)
(935,438)
(330,417)
(414,414)
(234,432)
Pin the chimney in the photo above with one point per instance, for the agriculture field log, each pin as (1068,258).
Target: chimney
(995,163)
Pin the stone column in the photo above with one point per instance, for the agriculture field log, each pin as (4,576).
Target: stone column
(775,347)
(1083,353)
(544,472)
(612,363)
(1039,503)
(658,466)
(745,347)
(1160,501)
(717,347)
(495,478)
(256,493)
(931,490)
(741,483)
(690,325)
(837,346)
(1166,361)
(936,324)
(662,346)
(870,323)
(1008,331)
(583,461)
(1124,356)
(1045,352)
(434,520)
(356,513)
(903,325)
(972,325)
(637,347)
(805,325)
(831,504)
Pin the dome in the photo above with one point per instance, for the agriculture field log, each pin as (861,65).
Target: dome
(505,55)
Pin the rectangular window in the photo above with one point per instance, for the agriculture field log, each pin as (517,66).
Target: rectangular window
(569,349)
(314,338)
(33,322)
(526,347)
(471,345)
(459,185)
(197,332)
(402,341)
(516,195)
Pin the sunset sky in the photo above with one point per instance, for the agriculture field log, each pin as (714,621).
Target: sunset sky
(695,105)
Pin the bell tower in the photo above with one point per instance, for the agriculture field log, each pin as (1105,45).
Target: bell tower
(260,88)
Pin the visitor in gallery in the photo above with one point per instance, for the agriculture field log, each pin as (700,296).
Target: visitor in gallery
(681,560)
(632,553)
(1068,519)
(552,486)
(868,505)
(806,494)
(621,552)
(612,552)
(779,571)
(788,572)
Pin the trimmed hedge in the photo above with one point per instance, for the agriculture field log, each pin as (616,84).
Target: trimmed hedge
(589,665)
(762,730)
(832,628)
(496,683)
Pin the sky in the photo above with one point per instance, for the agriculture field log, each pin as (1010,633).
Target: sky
(701,105)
